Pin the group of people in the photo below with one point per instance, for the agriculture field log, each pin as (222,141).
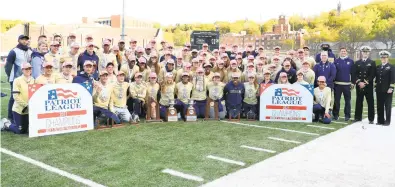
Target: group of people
(124,79)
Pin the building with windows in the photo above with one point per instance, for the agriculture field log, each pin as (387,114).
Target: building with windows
(281,35)
(115,21)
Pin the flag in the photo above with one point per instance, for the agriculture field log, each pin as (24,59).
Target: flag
(285,91)
(32,88)
(88,86)
(309,87)
(264,87)
(59,93)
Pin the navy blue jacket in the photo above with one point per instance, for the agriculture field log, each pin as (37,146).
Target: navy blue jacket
(233,94)
(85,56)
(328,70)
(162,58)
(330,55)
(83,77)
(291,75)
(11,58)
(343,69)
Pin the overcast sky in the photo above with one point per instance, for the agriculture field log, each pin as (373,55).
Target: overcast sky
(164,11)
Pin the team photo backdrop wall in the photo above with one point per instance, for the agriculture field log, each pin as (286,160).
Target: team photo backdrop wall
(286,103)
(59,109)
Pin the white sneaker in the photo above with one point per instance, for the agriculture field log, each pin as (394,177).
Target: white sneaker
(5,124)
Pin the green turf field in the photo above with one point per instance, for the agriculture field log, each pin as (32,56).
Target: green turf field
(136,156)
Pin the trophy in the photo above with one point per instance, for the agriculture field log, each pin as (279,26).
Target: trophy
(212,103)
(172,112)
(152,111)
(191,113)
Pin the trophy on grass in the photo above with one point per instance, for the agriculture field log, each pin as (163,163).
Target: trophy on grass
(191,113)
(172,112)
(212,103)
(152,111)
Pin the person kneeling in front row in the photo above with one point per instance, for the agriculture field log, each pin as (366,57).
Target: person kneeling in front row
(322,101)
(20,107)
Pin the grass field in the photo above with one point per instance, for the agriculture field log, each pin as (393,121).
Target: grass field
(136,156)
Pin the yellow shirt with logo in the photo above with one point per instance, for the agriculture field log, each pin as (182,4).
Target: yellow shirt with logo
(250,95)
(103,98)
(56,60)
(47,80)
(152,90)
(72,58)
(138,91)
(215,91)
(21,85)
(199,91)
(119,94)
(62,79)
(104,59)
(183,91)
(129,72)
(167,95)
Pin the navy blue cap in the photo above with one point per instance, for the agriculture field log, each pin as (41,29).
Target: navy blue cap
(23,37)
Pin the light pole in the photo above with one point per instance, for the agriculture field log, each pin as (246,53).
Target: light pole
(123,20)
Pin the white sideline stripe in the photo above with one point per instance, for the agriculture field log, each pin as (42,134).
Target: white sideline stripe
(226,160)
(52,169)
(339,122)
(182,175)
(316,126)
(273,128)
(284,140)
(258,149)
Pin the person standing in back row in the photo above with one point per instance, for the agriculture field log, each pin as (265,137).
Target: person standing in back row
(385,84)
(363,73)
(343,84)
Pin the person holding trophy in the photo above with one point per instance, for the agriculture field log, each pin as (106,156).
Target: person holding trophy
(166,94)
(183,91)
(215,93)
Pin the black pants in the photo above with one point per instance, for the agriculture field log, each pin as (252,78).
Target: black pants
(367,92)
(384,102)
(346,91)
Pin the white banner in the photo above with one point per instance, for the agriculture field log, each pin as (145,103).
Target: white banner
(286,103)
(59,109)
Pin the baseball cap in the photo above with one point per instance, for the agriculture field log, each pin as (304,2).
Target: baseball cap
(72,34)
(251,57)
(115,48)
(120,73)
(152,74)
(205,45)
(138,74)
(200,70)
(250,64)
(169,74)
(26,65)
(184,74)
(53,43)
(282,74)
(103,72)
(88,62)
(251,75)
(74,44)
(21,37)
(235,74)
(88,44)
(239,57)
(224,55)
(233,62)
(46,64)
(207,64)
(187,64)
(299,72)
(67,63)
(142,60)
(266,72)
(194,51)
(132,57)
(216,74)
(132,40)
(106,42)
(171,61)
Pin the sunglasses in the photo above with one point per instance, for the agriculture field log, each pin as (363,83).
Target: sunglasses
(321,81)
(90,46)
(260,64)
(68,66)
(55,45)
(287,66)
(152,77)
(283,76)
(251,77)
(28,69)
(48,67)
(76,48)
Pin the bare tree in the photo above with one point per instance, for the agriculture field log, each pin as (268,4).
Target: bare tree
(387,37)
(352,37)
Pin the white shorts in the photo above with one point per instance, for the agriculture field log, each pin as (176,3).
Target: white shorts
(123,114)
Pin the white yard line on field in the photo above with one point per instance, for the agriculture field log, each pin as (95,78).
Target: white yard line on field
(52,169)
(321,127)
(337,122)
(226,160)
(258,149)
(284,140)
(182,175)
(272,128)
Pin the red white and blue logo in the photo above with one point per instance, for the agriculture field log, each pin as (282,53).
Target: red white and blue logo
(285,92)
(60,93)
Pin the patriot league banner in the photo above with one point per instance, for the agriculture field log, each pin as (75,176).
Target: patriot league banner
(286,102)
(59,109)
